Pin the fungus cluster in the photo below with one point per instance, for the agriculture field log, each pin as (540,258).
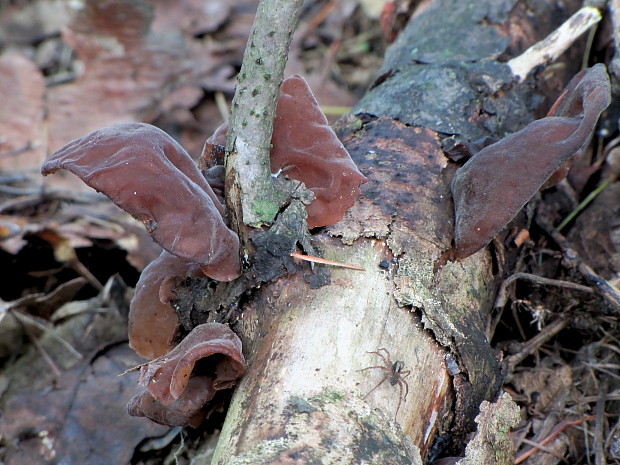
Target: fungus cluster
(153,323)
(149,175)
(313,155)
(494,185)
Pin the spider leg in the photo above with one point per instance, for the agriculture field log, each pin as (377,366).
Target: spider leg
(387,361)
(382,381)
(400,399)
(406,388)
(387,355)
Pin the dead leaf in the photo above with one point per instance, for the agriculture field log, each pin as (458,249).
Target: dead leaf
(546,385)
(128,70)
(193,17)
(21,112)
(596,234)
(82,421)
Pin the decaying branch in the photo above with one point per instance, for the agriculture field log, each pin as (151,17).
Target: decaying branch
(303,398)
(556,43)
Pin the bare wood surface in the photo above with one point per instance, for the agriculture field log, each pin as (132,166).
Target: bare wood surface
(304,388)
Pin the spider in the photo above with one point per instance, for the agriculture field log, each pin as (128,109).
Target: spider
(394,373)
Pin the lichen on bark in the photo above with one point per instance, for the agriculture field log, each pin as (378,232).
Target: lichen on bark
(344,430)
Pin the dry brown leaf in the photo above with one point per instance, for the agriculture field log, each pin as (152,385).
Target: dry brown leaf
(193,17)
(21,112)
(128,70)
(83,421)
(547,385)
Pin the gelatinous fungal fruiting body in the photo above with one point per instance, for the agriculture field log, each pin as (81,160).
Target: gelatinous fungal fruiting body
(181,382)
(149,175)
(306,149)
(152,320)
(493,186)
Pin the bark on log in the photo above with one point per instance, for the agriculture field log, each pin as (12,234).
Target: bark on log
(304,398)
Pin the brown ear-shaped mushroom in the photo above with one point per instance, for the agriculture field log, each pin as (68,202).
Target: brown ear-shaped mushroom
(218,138)
(214,344)
(146,173)
(152,320)
(177,389)
(570,105)
(306,149)
(185,410)
(493,186)
(215,177)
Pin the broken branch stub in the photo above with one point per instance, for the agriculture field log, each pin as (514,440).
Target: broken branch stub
(149,175)
(492,187)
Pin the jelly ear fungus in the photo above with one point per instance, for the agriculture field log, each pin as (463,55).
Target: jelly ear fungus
(493,186)
(149,175)
(179,383)
(152,320)
(306,149)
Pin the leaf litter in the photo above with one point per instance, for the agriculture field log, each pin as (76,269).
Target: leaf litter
(63,309)
(560,347)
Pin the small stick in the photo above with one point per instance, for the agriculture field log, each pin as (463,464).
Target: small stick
(561,427)
(28,320)
(502,294)
(555,43)
(534,344)
(545,449)
(84,272)
(600,285)
(46,356)
(222,106)
(134,369)
(599,440)
(323,261)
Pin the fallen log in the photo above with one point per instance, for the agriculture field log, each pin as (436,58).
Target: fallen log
(392,364)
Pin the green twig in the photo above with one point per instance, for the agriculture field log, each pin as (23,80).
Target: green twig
(253,198)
